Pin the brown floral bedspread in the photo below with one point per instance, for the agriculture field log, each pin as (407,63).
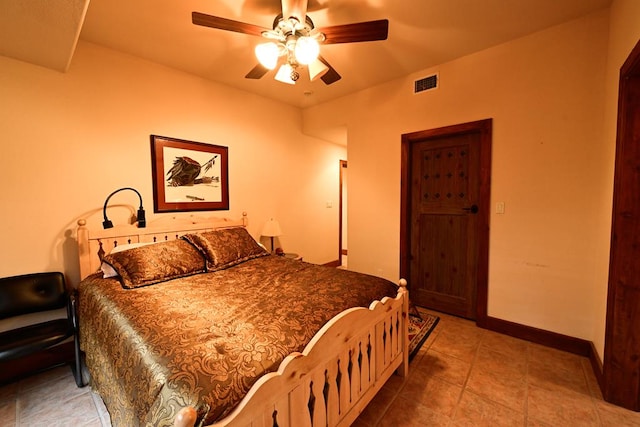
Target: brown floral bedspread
(207,337)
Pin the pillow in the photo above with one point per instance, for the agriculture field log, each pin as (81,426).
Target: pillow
(107,270)
(128,246)
(226,247)
(155,263)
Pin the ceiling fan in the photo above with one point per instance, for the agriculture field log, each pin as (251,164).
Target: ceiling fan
(294,42)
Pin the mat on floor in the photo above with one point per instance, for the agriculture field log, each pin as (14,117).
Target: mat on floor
(420,326)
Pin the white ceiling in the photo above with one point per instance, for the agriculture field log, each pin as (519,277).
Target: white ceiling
(33,31)
(422,33)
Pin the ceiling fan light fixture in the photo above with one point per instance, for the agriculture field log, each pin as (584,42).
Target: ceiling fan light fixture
(295,38)
(284,74)
(268,54)
(317,69)
(307,50)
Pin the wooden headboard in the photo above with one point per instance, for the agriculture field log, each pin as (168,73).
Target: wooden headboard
(93,243)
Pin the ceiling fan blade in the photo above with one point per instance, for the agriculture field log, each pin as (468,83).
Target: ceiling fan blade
(226,24)
(257,72)
(330,76)
(358,32)
(295,8)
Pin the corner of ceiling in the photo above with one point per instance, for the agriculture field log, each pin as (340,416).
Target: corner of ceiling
(36,32)
(334,134)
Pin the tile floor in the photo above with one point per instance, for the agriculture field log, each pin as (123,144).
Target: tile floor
(462,376)
(467,376)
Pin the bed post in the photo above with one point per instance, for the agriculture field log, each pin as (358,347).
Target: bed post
(403,369)
(84,253)
(186,417)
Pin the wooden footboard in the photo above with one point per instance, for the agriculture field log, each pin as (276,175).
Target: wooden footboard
(335,377)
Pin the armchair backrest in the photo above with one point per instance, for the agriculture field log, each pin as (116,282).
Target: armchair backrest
(31,293)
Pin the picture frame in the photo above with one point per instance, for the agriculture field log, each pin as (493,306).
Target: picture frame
(188,175)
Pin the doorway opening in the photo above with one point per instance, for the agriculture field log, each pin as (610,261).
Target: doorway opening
(444,218)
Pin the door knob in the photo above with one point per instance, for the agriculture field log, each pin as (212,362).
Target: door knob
(473,209)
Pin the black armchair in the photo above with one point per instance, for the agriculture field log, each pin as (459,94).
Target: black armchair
(35,293)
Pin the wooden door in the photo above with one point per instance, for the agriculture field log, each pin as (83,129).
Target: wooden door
(447,218)
(621,366)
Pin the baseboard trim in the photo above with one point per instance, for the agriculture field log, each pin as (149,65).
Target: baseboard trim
(597,366)
(335,263)
(540,336)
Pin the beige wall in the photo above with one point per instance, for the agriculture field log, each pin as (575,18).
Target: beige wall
(68,140)
(544,93)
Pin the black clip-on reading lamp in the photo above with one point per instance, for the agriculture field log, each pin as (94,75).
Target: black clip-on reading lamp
(142,222)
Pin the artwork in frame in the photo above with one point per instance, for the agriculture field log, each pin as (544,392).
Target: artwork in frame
(188,176)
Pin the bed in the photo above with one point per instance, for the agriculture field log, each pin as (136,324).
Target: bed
(205,327)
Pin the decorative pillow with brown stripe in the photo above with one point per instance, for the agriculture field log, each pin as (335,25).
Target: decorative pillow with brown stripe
(226,247)
(156,263)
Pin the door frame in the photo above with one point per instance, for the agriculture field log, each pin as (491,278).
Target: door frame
(619,382)
(343,165)
(484,127)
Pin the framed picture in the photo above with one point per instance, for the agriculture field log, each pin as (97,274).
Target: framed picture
(188,176)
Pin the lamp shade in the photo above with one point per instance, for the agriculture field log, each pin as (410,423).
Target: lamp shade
(271,229)
(284,74)
(267,54)
(317,69)
(306,50)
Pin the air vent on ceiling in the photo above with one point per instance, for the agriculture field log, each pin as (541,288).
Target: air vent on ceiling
(426,83)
